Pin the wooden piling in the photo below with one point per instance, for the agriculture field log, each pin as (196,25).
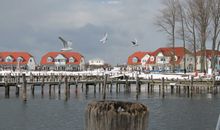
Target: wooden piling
(7,91)
(32,89)
(17,90)
(191,86)
(163,93)
(120,116)
(138,88)
(105,81)
(24,87)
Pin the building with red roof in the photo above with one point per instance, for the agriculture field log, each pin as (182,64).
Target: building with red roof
(162,59)
(17,60)
(138,59)
(208,55)
(64,60)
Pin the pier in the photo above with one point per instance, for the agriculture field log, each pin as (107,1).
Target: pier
(102,82)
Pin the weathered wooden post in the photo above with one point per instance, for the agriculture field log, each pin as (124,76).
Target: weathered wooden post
(105,81)
(138,89)
(50,89)
(116,115)
(32,89)
(95,88)
(7,91)
(42,86)
(66,85)
(17,90)
(24,87)
(191,86)
(163,93)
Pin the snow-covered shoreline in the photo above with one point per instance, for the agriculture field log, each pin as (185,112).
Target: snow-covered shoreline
(112,74)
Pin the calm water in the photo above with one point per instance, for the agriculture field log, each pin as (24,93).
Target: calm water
(175,112)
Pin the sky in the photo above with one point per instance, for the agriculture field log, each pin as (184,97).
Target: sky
(35,25)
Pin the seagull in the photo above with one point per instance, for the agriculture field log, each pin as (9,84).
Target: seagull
(66,45)
(134,43)
(104,39)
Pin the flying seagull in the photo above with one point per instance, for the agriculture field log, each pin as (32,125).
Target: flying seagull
(104,39)
(134,43)
(66,45)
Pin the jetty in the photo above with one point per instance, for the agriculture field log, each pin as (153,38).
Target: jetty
(99,81)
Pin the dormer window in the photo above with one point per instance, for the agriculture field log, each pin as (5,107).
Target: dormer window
(71,59)
(134,59)
(9,59)
(176,58)
(151,58)
(49,59)
(20,59)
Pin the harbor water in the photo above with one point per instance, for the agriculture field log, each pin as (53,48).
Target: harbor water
(56,112)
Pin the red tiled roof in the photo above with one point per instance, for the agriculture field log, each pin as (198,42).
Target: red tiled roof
(139,55)
(168,51)
(26,56)
(208,53)
(77,56)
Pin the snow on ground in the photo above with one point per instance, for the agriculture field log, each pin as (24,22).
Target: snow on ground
(113,73)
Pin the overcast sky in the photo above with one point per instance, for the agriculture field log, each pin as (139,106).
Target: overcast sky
(35,25)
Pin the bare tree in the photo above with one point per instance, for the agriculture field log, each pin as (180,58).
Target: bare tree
(181,19)
(167,22)
(190,20)
(215,26)
(202,8)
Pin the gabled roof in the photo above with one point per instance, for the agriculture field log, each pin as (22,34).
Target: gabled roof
(208,53)
(77,56)
(139,55)
(169,51)
(25,55)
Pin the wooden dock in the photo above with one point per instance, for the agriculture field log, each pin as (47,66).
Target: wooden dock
(189,86)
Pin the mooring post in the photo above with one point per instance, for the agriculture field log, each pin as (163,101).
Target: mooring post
(138,89)
(17,90)
(163,93)
(32,89)
(105,81)
(87,88)
(6,88)
(24,87)
(213,84)
(66,85)
(191,86)
(7,91)
(95,88)
(116,115)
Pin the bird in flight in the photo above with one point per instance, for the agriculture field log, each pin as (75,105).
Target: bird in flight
(66,45)
(104,39)
(134,43)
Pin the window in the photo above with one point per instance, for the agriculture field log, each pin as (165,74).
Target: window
(20,59)
(162,59)
(151,58)
(49,59)
(176,58)
(134,59)
(71,59)
(8,59)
